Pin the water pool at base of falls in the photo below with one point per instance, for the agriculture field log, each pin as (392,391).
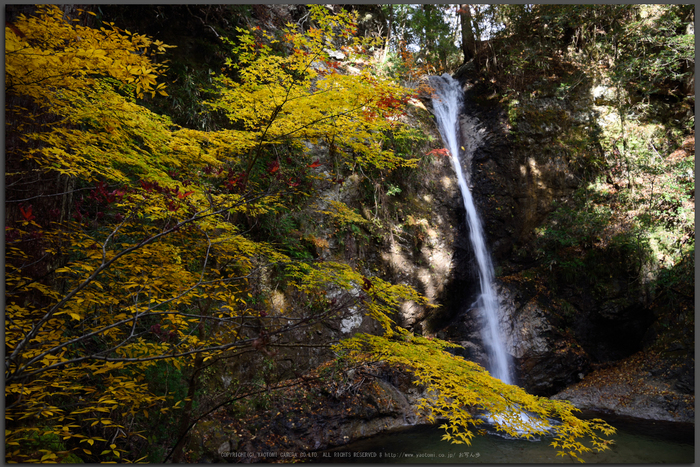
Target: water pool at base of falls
(636,441)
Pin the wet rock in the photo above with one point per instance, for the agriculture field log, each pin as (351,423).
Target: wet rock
(516,176)
(685,384)
(335,54)
(465,330)
(546,360)
(421,250)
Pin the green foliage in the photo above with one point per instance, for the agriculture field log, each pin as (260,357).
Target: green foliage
(633,211)
(50,448)
(166,379)
(433,35)
(579,223)
(680,275)
(422,40)
(578,145)
(654,50)
(285,227)
(636,218)
(582,242)
(393,190)
(645,49)
(407,141)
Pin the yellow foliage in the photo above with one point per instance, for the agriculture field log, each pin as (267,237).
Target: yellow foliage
(86,76)
(302,96)
(51,53)
(159,271)
(464,393)
(343,215)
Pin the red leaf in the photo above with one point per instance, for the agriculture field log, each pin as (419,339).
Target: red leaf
(27,214)
(273,167)
(439,152)
(315,164)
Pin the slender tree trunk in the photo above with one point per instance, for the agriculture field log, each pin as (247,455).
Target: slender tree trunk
(67,197)
(387,42)
(186,417)
(468,42)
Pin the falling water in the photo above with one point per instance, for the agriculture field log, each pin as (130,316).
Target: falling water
(447,103)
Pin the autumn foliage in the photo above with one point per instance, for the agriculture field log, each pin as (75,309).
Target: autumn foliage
(465,395)
(128,239)
(144,261)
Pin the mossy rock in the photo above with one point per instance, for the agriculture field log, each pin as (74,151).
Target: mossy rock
(210,441)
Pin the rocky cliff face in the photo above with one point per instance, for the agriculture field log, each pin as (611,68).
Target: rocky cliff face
(328,407)
(514,183)
(530,159)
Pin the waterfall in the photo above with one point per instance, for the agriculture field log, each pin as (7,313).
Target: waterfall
(447,104)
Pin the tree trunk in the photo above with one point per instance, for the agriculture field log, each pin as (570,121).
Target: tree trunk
(387,42)
(468,42)
(186,417)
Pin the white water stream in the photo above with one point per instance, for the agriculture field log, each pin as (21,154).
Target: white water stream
(447,104)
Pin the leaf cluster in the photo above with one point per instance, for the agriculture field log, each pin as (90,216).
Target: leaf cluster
(465,395)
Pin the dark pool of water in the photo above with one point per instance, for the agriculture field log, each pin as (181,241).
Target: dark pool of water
(636,441)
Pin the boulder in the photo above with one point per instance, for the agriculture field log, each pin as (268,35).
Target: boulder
(545,359)
(642,386)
